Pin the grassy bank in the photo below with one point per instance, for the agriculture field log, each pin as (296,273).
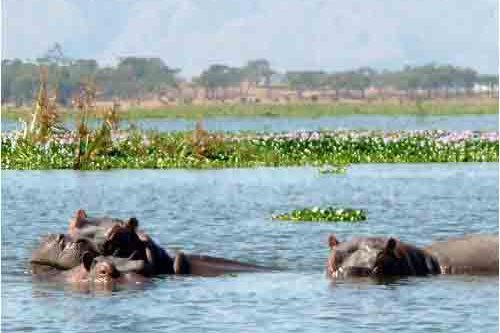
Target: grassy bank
(199,149)
(451,107)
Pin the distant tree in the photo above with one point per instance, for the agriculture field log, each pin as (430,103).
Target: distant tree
(257,71)
(18,81)
(302,80)
(54,55)
(469,77)
(219,76)
(491,81)
(360,79)
(338,81)
(134,77)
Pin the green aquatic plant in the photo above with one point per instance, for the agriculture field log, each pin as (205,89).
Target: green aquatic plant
(106,148)
(329,214)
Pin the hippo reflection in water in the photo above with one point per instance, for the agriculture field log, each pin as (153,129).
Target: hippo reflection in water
(386,257)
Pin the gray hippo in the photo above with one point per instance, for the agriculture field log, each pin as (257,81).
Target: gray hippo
(472,254)
(98,273)
(113,237)
(385,257)
(61,251)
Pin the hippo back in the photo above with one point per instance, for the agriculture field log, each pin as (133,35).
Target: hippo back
(473,254)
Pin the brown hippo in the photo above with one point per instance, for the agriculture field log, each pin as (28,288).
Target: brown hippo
(120,238)
(383,257)
(101,273)
(473,254)
(62,252)
(201,265)
(377,256)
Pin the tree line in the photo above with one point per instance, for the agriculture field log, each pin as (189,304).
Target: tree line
(138,77)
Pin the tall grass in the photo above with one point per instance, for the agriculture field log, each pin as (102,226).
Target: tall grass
(45,123)
(45,120)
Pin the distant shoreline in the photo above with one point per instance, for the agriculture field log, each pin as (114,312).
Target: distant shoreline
(451,107)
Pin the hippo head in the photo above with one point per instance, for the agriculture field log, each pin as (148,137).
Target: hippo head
(60,251)
(368,256)
(81,225)
(105,272)
(122,240)
(101,272)
(110,236)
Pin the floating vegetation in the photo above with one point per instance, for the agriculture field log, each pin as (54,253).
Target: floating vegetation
(334,169)
(109,148)
(317,214)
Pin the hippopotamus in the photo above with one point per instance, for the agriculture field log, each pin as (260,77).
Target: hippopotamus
(62,252)
(101,273)
(122,239)
(377,256)
(202,265)
(114,237)
(472,254)
(387,256)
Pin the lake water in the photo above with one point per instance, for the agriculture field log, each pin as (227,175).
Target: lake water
(277,124)
(227,213)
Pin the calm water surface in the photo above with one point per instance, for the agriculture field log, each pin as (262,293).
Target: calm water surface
(226,213)
(275,124)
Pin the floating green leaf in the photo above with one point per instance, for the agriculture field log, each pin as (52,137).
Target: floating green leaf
(317,214)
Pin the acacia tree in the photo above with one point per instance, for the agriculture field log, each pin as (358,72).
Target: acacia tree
(219,76)
(302,80)
(491,81)
(256,71)
(361,79)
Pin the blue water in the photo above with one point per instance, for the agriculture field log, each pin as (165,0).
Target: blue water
(274,124)
(227,213)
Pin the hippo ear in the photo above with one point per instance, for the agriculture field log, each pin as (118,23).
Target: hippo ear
(390,246)
(80,214)
(332,241)
(87,259)
(77,221)
(132,223)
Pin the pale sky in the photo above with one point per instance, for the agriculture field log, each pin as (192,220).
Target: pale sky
(292,34)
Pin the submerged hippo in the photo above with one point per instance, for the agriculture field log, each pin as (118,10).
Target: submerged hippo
(122,239)
(377,256)
(101,273)
(473,254)
(384,257)
(62,252)
(113,237)
(202,265)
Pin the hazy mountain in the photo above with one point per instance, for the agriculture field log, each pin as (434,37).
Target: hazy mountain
(292,34)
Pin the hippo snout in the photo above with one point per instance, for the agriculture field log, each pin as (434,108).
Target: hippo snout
(352,272)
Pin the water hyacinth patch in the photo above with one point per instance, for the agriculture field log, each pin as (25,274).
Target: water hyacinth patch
(201,149)
(329,214)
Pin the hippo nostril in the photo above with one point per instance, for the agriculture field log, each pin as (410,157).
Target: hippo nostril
(60,240)
(115,274)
